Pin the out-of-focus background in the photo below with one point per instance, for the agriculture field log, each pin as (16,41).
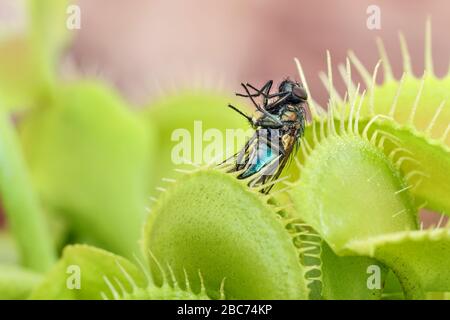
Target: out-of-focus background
(141,44)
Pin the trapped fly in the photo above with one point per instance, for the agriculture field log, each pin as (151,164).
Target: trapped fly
(279,127)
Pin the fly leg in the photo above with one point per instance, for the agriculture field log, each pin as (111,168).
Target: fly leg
(283,95)
(268,123)
(254,123)
(262,110)
(264,91)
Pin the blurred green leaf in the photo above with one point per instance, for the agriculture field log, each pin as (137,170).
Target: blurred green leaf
(17,283)
(48,28)
(89,266)
(8,249)
(21,205)
(18,77)
(88,156)
(28,61)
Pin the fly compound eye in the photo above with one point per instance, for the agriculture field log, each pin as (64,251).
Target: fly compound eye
(300,92)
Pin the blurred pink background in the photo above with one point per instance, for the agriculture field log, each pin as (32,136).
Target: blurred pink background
(143,44)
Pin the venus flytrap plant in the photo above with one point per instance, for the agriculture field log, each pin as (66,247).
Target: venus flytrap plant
(151,291)
(258,246)
(348,188)
(420,120)
(351,277)
(350,204)
(402,251)
(354,191)
(330,276)
(419,258)
(94,266)
(104,275)
(351,155)
(212,222)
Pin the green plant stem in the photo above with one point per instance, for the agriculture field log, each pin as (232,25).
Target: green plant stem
(24,215)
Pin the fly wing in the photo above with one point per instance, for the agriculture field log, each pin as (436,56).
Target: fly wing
(277,168)
(263,159)
(290,146)
(240,159)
